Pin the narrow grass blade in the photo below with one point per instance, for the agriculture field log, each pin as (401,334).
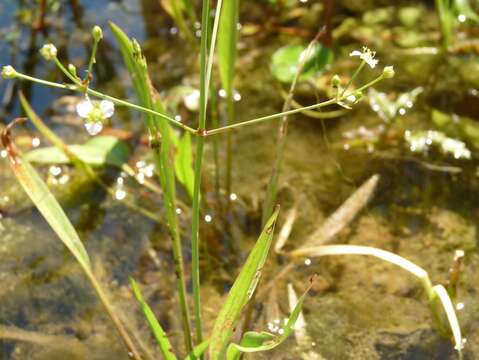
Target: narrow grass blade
(226,50)
(300,325)
(344,214)
(242,290)
(45,202)
(227,42)
(256,342)
(451,317)
(160,335)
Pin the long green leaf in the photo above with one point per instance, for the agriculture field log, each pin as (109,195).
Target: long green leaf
(255,342)
(242,290)
(160,335)
(159,132)
(48,206)
(183,164)
(227,42)
(46,203)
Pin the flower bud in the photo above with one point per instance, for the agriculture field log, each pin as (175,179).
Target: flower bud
(8,72)
(388,72)
(72,69)
(336,81)
(97,33)
(49,52)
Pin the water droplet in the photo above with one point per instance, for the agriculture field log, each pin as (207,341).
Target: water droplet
(55,170)
(237,96)
(222,93)
(307,262)
(141,178)
(179,211)
(35,142)
(173,31)
(178,118)
(402,111)
(120,194)
(459,306)
(93,128)
(208,218)
(233,196)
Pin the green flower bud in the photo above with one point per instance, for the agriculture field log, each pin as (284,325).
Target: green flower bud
(8,72)
(336,81)
(49,52)
(388,72)
(97,33)
(72,69)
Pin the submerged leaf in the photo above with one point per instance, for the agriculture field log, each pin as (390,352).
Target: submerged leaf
(242,290)
(99,151)
(285,61)
(344,214)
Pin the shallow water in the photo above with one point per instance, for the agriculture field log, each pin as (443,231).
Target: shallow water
(359,308)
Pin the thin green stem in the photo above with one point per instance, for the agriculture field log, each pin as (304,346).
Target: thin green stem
(289,112)
(92,58)
(81,88)
(356,73)
(195,216)
(183,126)
(66,72)
(229,147)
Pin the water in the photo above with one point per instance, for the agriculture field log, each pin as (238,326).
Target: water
(359,308)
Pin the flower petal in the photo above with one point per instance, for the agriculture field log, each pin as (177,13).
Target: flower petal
(107,108)
(84,108)
(355,53)
(93,128)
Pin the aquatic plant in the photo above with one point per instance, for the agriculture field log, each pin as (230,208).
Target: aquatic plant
(163,141)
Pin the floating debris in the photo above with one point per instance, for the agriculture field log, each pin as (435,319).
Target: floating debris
(345,214)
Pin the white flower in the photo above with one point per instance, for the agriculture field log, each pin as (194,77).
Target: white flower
(95,113)
(367,56)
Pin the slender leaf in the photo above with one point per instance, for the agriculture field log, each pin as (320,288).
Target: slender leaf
(242,290)
(227,42)
(256,342)
(198,350)
(158,332)
(46,203)
(183,164)
(159,132)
